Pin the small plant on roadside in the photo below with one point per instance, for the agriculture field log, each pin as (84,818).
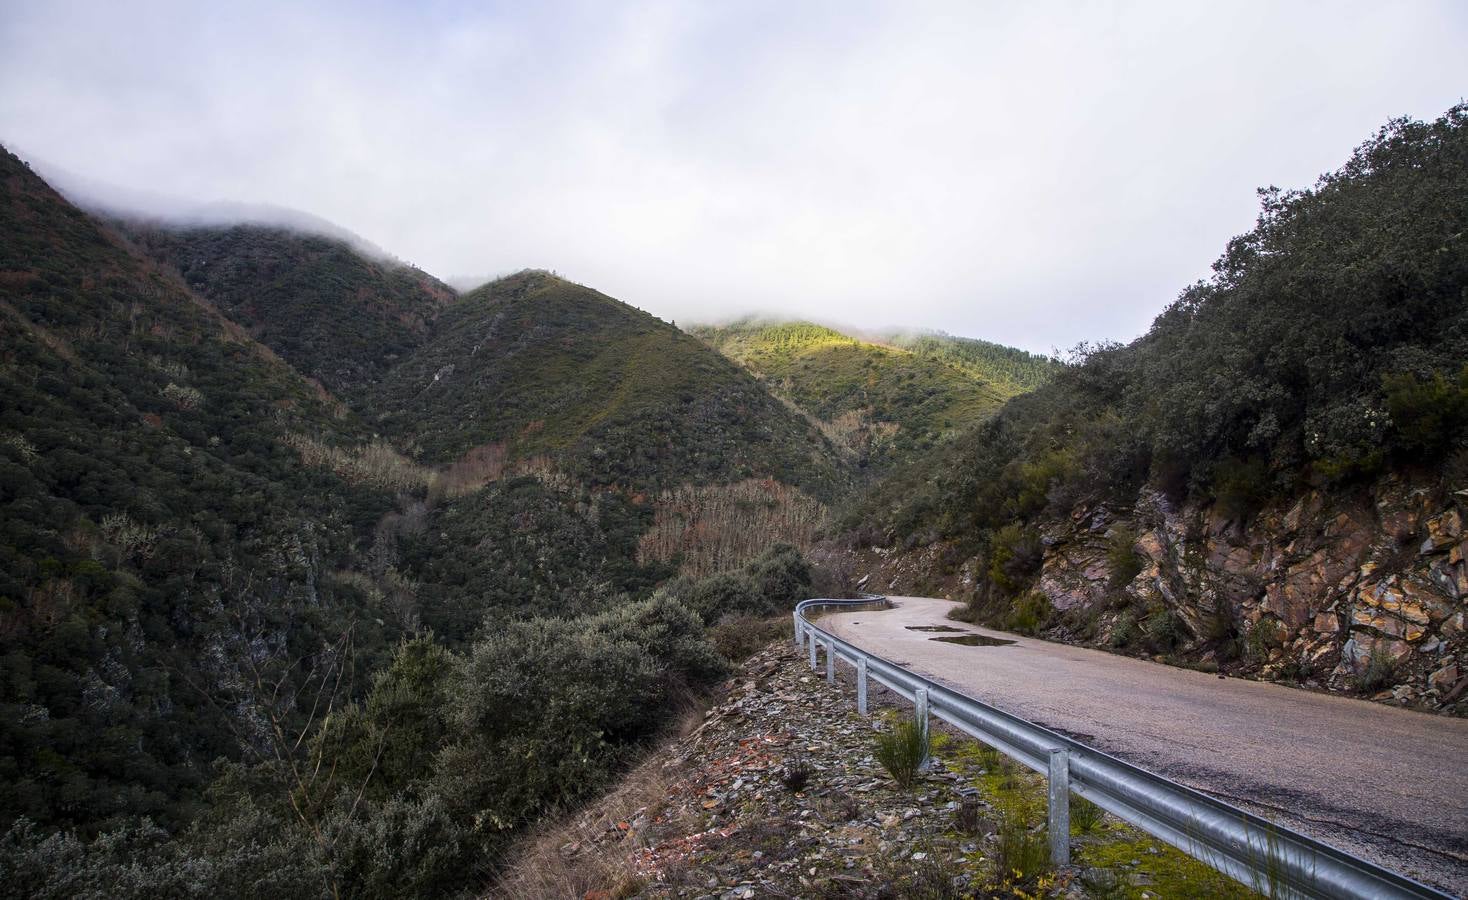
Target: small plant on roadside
(1030,614)
(990,757)
(1381,670)
(1009,775)
(796,775)
(1297,669)
(1105,884)
(838,807)
(1260,642)
(1085,816)
(1021,854)
(1124,632)
(901,751)
(969,817)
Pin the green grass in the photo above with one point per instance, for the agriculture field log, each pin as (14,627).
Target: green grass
(1018,797)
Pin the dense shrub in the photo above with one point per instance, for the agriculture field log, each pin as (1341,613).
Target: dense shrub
(741,636)
(782,576)
(1030,614)
(1240,486)
(548,708)
(1015,554)
(770,584)
(1429,415)
(441,762)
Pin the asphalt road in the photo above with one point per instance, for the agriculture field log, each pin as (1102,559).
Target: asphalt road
(1387,784)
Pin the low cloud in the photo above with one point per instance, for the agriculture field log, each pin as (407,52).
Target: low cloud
(1032,174)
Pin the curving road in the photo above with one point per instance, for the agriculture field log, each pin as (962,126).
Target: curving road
(1388,784)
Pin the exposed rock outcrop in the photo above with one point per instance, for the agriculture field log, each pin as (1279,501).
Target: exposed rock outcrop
(1356,592)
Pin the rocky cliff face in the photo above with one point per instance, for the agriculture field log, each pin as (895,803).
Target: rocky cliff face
(1363,593)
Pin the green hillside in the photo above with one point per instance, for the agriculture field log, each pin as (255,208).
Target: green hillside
(613,395)
(331,312)
(1329,348)
(996,363)
(881,402)
(158,538)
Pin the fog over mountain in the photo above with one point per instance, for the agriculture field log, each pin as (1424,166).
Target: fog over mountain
(987,170)
(115,201)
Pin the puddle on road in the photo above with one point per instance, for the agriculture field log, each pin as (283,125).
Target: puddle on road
(932,628)
(972,640)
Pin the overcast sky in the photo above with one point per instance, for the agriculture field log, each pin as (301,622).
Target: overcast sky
(1034,173)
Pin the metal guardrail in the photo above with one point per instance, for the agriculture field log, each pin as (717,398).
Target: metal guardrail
(1270,858)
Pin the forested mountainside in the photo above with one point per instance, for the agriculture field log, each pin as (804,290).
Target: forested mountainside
(332,313)
(160,536)
(1016,369)
(1272,479)
(540,366)
(881,402)
(251,644)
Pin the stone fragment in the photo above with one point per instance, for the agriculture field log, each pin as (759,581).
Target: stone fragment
(1442,529)
(1442,680)
(1452,626)
(1358,650)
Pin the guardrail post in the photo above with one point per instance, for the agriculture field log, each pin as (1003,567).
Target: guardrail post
(861,685)
(920,711)
(830,662)
(1060,806)
(796,616)
(811,636)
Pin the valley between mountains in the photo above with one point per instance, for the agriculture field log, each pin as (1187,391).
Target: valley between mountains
(319,577)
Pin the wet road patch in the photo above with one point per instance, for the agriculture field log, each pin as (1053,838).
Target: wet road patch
(972,640)
(932,628)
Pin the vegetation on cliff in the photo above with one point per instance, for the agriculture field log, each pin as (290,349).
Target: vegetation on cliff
(1328,346)
(157,534)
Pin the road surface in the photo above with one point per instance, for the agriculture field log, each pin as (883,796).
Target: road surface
(1387,784)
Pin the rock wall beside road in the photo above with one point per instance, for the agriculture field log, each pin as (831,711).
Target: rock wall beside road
(1366,590)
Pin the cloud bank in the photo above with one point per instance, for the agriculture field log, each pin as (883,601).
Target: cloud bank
(1036,174)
